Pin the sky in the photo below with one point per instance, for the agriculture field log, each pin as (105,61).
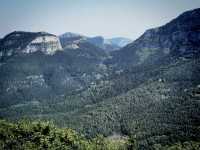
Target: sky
(108,18)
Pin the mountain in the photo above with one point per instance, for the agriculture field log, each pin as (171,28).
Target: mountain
(149,89)
(70,40)
(34,68)
(180,37)
(19,42)
(153,92)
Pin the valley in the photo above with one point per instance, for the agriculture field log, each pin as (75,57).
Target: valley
(148,89)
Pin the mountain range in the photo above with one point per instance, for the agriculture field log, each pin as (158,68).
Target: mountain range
(149,88)
(72,40)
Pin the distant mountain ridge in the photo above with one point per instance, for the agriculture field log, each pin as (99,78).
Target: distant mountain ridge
(71,40)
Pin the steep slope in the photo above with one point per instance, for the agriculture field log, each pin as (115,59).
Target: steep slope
(177,38)
(164,103)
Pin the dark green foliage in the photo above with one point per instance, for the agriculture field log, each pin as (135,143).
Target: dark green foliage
(189,145)
(150,90)
(132,143)
(157,111)
(27,135)
(38,135)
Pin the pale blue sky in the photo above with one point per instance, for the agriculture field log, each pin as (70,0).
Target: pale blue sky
(109,18)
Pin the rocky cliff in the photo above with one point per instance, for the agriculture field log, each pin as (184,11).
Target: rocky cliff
(18,42)
(180,37)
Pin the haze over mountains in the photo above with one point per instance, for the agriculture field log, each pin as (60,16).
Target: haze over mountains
(148,88)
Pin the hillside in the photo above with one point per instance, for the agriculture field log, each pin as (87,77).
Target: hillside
(37,77)
(148,90)
(44,135)
(180,37)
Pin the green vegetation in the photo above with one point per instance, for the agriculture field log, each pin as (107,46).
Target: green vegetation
(158,106)
(27,135)
(145,96)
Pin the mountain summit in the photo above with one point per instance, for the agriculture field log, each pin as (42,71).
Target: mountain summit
(20,42)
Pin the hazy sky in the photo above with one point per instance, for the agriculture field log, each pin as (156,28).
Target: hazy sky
(109,18)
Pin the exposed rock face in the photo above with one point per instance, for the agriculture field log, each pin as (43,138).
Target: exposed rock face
(74,41)
(180,37)
(34,73)
(29,42)
(48,44)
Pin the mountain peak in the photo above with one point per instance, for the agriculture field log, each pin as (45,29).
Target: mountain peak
(21,42)
(178,38)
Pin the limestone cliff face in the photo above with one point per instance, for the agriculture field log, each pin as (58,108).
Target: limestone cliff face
(31,68)
(28,42)
(48,44)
